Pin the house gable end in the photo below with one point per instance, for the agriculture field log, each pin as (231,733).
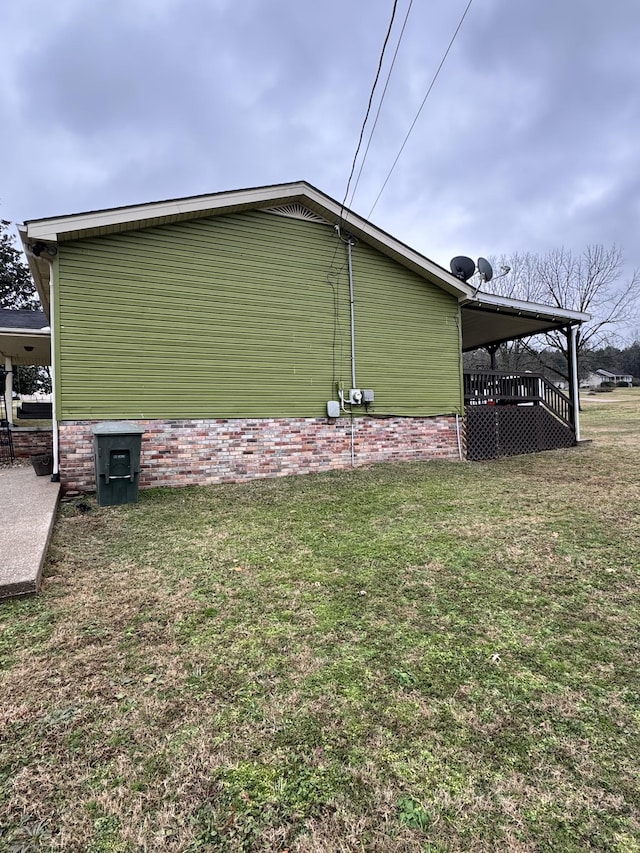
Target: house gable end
(300,200)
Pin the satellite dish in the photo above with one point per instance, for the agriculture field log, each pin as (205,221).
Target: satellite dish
(485,269)
(462,267)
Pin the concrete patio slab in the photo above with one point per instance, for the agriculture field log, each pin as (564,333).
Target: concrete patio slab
(27,511)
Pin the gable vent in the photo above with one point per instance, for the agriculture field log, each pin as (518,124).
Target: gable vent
(297,211)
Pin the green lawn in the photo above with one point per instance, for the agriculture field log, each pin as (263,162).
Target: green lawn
(426,657)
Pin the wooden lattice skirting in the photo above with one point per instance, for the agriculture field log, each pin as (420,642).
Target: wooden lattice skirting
(495,431)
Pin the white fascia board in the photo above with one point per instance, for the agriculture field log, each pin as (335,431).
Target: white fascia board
(44,333)
(41,286)
(520,306)
(362,227)
(49,229)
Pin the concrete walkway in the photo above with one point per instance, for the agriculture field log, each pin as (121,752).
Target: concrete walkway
(27,511)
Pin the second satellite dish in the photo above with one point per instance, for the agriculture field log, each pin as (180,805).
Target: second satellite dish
(462,267)
(485,269)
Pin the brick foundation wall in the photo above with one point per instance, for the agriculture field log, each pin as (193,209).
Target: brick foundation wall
(31,440)
(201,452)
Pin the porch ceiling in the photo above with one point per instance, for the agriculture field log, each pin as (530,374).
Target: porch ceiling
(24,337)
(490,319)
(25,347)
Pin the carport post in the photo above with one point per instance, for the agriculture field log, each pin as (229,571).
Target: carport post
(574,389)
(492,349)
(8,389)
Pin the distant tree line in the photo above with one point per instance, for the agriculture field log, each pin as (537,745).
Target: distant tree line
(552,363)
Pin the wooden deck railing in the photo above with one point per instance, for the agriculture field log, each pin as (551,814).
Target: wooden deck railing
(492,388)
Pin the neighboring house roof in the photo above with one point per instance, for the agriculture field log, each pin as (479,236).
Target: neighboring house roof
(24,336)
(19,318)
(607,375)
(486,318)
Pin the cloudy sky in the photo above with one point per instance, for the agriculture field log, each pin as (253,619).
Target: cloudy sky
(528,141)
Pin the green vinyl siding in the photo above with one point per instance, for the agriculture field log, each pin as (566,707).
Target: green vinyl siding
(245,315)
(407,338)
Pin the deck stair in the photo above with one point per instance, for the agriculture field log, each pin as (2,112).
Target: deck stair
(511,413)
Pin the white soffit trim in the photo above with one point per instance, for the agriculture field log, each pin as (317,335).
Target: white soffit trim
(45,332)
(39,270)
(494,302)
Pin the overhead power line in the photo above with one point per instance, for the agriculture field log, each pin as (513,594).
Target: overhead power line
(384,92)
(413,123)
(373,88)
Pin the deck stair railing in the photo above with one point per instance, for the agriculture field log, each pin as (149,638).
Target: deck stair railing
(495,389)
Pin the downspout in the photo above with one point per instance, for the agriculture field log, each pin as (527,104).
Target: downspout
(353,347)
(55,477)
(353,318)
(575,390)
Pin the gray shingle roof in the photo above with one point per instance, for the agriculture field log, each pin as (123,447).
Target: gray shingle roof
(21,319)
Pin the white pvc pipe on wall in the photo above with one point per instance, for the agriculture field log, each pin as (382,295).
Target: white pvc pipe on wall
(55,477)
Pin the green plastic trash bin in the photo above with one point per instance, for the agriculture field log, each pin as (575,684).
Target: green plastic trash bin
(116,446)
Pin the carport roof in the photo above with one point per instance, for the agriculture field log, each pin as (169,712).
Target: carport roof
(488,319)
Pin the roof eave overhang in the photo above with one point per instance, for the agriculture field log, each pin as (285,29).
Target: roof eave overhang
(114,220)
(39,268)
(521,307)
(44,333)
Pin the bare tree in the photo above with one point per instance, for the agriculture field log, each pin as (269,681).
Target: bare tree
(591,282)
(521,281)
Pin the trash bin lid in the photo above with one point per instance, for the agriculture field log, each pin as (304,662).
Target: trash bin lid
(116,428)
